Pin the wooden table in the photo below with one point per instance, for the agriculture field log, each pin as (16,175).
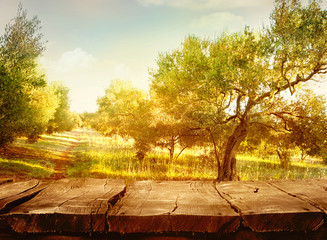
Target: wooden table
(105,208)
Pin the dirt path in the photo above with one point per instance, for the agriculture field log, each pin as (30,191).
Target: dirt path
(64,161)
(67,157)
(58,150)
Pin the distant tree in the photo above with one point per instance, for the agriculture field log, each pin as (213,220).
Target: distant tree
(43,103)
(174,135)
(63,119)
(125,110)
(176,129)
(128,111)
(239,77)
(308,130)
(301,123)
(20,80)
(90,120)
(77,120)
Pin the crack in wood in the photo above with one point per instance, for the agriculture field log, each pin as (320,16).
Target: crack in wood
(111,203)
(21,200)
(176,205)
(28,189)
(18,202)
(306,199)
(91,223)
(4,181)
(234,207)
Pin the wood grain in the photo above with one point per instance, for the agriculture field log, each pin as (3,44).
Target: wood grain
(67,205)
(314,191)
(172,206)
(232,210)
(265,208)
(16,193)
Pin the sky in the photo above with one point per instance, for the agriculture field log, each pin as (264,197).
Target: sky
(91,42)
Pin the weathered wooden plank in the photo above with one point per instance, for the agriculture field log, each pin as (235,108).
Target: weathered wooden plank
(312,190)
(3,181)
(264,208)
(172,206)
(138,212)
(15,188)
(199,208)
(67,205)
(14,194)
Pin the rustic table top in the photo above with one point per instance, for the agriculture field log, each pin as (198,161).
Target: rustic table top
(105,205)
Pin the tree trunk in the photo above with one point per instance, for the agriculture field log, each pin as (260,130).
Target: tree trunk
(284,158)
(215,150)
(227,171)
(180,152)
(171,149)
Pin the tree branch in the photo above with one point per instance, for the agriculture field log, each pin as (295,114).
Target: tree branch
(282,118)
(283,73)
(238,105)
(266,125)
(228,119)
(286,113)
(298,79)
(181,152)
(229,102)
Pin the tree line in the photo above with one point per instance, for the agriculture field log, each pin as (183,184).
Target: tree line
(29,106)
(236,92)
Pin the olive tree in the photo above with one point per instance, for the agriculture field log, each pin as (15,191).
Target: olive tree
(239,77)
(20,80)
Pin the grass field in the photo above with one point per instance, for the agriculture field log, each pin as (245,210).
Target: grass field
(88,154)
(114,157)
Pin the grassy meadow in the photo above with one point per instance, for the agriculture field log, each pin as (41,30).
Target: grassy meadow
(114,157)
(37,160)
(86,153)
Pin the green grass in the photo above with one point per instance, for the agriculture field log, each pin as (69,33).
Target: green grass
(48,145)
(24,169)
(115,158)
(253,168)
(37,160)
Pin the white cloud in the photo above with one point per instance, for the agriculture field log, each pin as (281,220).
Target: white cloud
(74,59)
(205,4)
(218,22)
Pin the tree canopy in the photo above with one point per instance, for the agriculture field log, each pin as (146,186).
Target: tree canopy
(27,103)
(240,79)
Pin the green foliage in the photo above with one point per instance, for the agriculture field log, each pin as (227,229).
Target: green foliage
(298,123)
(126,111)
(239,80)
(25,102)
(308,130)
(43,103)
(63,119)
